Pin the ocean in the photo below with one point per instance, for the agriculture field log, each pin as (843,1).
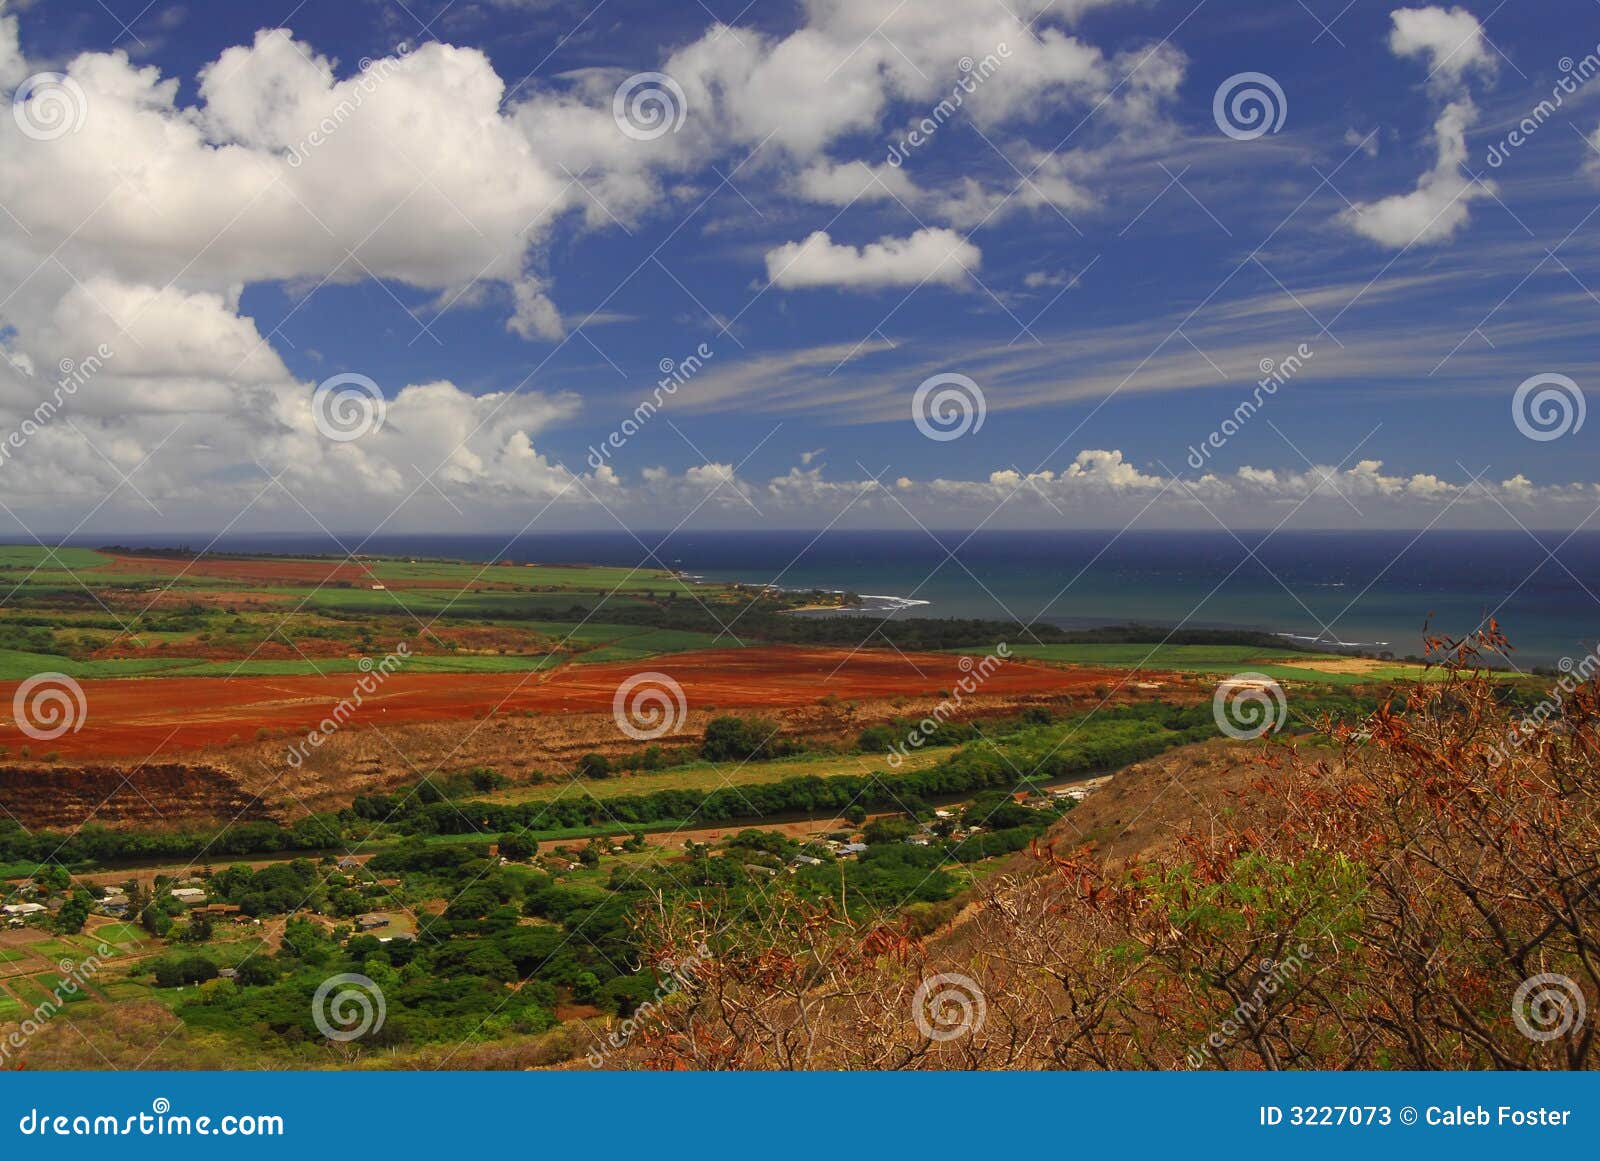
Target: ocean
(1375,590)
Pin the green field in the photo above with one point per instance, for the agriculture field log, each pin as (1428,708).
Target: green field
(586,643)
(1217,659)
(713,775)
(508,619)
(71,991)
(56,566)
(16,665)
(54,949)
(31,991)
(27,556)
(454,603)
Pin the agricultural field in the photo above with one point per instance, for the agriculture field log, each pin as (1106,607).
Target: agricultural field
(103,615)
(473,801)
(1223,660)
(706,776)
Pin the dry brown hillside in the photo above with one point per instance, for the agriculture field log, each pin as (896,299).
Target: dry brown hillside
(1421,893)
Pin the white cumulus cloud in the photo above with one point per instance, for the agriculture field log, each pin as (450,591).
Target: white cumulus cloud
(927,256)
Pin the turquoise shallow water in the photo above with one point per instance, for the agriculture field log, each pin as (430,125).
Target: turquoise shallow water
(1375,589)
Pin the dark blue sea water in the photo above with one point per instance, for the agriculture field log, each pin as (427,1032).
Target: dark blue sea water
(1373,589)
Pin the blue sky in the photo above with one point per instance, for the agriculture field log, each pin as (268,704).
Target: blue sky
(481,240)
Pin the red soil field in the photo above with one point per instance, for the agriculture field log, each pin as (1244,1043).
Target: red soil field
(276,572)
(135,718)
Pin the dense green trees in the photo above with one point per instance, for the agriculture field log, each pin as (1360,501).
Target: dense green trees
(74,912)
(516,848)
(1078,748)
(734,739)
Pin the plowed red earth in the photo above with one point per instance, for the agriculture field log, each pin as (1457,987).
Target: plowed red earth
(278,572)
(133,718)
